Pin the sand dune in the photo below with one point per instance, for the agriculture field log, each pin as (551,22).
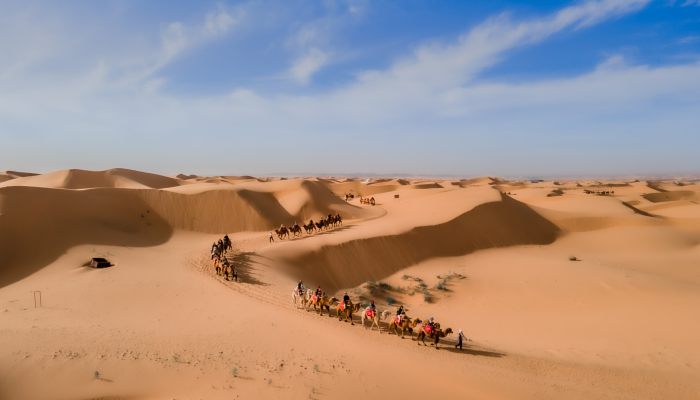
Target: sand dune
(37,225)
(19,174)
(619,322)
(496,224)
(81,179)
(139,217)
(671,196)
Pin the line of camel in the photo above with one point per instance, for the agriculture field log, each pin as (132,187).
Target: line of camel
(331,221)
(397,323)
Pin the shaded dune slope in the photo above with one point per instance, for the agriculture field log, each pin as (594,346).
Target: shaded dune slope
(55,220)
(671,196)
(230,210)
(37,225)
(494,224)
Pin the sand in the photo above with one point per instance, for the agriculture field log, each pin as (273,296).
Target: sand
(487,255)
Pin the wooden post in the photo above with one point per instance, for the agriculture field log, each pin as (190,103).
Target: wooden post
(37,298)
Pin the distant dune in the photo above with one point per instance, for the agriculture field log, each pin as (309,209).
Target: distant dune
(81,179)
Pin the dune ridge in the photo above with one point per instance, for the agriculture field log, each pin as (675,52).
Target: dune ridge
(495,224)
(61,218)
(84,179)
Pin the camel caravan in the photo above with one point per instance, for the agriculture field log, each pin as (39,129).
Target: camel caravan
(324,224)
(368,201)
(397,322)
(222,265)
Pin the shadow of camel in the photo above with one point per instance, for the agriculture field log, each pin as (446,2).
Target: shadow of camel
(468,350)
(242,263)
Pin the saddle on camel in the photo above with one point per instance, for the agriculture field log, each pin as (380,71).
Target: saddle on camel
(433,331)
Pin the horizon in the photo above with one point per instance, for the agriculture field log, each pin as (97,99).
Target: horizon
(685,176)
(596,88)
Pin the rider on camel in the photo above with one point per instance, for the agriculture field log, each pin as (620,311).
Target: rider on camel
(300,287)
(346,300)
(400,313)
(431,323)
(318,293)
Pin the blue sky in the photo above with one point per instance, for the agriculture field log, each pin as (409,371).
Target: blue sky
(597,87)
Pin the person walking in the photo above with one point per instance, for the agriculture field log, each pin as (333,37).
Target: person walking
(460,337)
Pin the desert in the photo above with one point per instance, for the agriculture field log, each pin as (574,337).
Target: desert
(575,295)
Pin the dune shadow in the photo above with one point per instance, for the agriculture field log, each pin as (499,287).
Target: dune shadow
(244,267)
(38,225)
(495,224)
(639,211)
(333,230)
(470,350)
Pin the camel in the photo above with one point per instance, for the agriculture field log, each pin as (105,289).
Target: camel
(310,227)
(303,297)
(295,230)
(345,313)
(228,269)
(320,302)
(327,304)
(374,318)
(282,232)
(312,302)
(435,334)
(405,325)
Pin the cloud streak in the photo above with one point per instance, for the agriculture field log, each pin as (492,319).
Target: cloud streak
(427,112)
(305,67)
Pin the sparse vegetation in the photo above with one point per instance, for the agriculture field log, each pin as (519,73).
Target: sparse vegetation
(555,192)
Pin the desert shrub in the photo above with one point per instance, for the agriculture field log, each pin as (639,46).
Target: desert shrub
(428,297)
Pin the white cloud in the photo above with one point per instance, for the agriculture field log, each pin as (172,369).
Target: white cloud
(689,39)
(218,23)
(306,66)
(689,3)
(177,38)
(486,44)
(428,111)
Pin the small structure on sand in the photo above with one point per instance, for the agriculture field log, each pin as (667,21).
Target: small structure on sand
(99,262)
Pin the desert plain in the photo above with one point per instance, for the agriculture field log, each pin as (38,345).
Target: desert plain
(569,289)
